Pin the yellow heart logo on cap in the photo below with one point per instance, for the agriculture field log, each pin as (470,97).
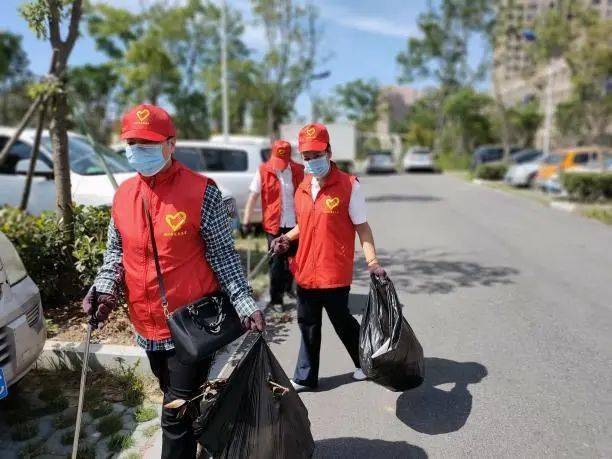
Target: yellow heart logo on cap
(176,221)
(332,203)
(310,132)
(281,151)
(142,114)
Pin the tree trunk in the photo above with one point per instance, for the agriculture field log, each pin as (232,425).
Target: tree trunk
(61,166)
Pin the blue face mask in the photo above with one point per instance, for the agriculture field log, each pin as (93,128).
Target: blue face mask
(146,159)
(319,167)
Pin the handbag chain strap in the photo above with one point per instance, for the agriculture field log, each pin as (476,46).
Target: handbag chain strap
(160,279)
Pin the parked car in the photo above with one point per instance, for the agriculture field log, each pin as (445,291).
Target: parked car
(525,168)
(89,183)
(262,142)
(592,157)
(548,167)
(419,158)
(589,158)
(232,165)
(583,159)
(22,325)
(380,162)
(490,154)
(88,180)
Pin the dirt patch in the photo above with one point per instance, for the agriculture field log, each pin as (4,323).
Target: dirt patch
(68,323)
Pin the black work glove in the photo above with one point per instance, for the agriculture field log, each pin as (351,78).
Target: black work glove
(280,244)
(106,303)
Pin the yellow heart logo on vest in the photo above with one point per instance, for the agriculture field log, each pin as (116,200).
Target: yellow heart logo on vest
(332,203)
(142,114)
(310,132)
(176,221)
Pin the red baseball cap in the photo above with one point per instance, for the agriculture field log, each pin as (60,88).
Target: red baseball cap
(148,122)
(280,155)
(313,137)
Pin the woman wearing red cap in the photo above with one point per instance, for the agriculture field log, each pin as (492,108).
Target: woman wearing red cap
(276,181)
(196,256)
(330,209)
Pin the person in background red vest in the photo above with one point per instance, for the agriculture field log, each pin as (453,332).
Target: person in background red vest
(196,255)
(276,181)
(330,208)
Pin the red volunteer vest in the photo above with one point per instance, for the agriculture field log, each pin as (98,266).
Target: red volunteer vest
(175,200)
(271,204)
(326,250)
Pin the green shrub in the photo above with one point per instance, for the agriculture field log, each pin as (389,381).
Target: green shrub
(102,409)
(144,414)
(119,442)
(110,424)
(604,215)
(450,161)
(492,171)
(61,272)
(131,384)
(588,186)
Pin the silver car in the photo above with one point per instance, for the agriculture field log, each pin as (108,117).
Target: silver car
(22,325)
(419,159)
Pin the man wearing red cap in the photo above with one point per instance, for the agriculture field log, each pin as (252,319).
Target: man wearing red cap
(330,208)
(276,181)
(195,251)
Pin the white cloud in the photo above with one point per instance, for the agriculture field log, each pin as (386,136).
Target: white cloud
(375,25)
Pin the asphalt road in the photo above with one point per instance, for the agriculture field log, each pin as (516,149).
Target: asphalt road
(512,302)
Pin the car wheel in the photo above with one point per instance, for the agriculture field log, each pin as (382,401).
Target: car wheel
(531,181)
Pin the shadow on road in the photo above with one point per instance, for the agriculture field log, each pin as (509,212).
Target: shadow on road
(427,271)
(333,382)
(432,410)
(362,448)
(402,198)
(278,325)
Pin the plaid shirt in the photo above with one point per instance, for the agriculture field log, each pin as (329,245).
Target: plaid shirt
(220,254)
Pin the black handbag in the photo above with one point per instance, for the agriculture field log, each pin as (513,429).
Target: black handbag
(201,328)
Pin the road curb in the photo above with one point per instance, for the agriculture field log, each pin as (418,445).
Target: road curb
(57,355)
(562,205)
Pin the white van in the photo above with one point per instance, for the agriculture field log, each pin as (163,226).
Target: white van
(22,325)
(232,165)
(90,185)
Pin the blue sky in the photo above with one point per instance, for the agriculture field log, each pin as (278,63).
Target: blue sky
(362,38)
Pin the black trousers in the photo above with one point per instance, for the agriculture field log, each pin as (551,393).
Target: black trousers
(310,314)
(177,380)
(281,278)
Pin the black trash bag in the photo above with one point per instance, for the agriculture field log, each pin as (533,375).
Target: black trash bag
(389,351)
(257,414)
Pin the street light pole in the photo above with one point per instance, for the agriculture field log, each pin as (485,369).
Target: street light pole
(548,118)
(224,72)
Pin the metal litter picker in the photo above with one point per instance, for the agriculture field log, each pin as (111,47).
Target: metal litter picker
(92,325)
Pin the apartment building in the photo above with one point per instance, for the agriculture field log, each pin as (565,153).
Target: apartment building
(520,79)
